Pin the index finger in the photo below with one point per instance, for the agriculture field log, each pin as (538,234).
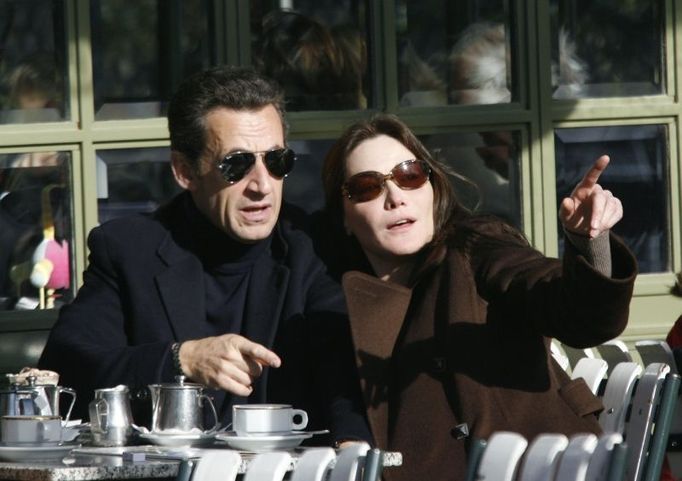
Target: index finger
(592,176)
(259,353)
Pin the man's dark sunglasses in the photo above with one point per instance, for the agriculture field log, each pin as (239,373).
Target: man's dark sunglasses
(368,185)
(235,166)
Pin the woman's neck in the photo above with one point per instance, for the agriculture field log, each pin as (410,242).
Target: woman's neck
(397,270)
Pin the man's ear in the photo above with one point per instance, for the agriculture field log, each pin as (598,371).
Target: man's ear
(183,171)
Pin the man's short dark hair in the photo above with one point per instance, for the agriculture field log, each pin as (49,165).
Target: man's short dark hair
(236,88)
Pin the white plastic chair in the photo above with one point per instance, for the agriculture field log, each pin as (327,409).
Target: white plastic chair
(656,351)
(639,428)
(541,458)
(217,465)
(268,467)
(559,355)
(575,354)
(601,460)
(313,464)
(576,458)
(348,460)
(614,352)
(501,456)
(617,396)
(592,370)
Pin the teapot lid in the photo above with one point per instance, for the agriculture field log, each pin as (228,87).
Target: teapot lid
(179,384)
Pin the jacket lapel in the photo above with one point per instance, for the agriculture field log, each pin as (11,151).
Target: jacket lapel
(181,288)
(376,310)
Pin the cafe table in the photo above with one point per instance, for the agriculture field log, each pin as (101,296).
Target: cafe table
(126,463)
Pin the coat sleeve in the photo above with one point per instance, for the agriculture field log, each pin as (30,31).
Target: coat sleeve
(89,345)
(565,299)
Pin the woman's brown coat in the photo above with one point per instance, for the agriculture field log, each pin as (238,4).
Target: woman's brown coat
(495,305)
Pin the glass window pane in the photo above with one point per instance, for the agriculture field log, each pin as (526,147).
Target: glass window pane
(33,60)
(487,165)
(637,175)
(317,50)
(608,48)
(462,55)
(142,50)
(303,186)
(36,268)
(133,180)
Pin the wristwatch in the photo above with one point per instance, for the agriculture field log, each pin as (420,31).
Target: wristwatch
(175,352)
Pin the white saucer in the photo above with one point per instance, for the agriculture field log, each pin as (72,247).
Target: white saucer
(36,453)
(259,444)
(175,440)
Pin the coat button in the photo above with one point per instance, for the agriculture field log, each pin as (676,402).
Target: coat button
(460,431)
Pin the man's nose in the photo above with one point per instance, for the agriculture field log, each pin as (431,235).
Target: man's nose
(260,179)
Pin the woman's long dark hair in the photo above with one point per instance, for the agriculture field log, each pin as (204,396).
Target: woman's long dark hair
(447,211)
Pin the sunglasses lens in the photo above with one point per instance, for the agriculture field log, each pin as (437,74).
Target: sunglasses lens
(365,186)
(235,166)
(280,162)
(411,175)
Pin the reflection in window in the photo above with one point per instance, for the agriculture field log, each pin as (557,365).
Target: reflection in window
(460,56)
(489,164)
(637,175)
(588,41)
(133,180)
(35,230)
(33,86)
(142,50)
(303,186)
(316,50)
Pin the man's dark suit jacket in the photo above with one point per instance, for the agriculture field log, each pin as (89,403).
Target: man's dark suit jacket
(143,290)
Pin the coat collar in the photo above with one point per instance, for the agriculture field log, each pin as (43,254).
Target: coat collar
(376,310)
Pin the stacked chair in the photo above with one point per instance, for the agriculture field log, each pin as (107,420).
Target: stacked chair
(639,400)
(356,462)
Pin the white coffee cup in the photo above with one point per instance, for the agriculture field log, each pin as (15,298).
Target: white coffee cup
(18,430)
(266,419)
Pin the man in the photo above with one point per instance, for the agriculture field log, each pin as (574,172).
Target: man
(215,285)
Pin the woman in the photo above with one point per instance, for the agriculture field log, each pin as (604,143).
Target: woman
(451,313)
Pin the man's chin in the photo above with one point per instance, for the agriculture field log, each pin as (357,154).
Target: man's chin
(250,234)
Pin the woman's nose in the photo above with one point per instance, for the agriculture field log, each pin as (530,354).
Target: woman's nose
(395,196)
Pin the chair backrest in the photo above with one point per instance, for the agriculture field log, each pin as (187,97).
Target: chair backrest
(216,465)
(603,456)
(576,458)
(656,352)
(614,352)
(617,396)
(559,355)
(268,466)
(641,422)
(542,457)
(501,456)
(313,464)
(348,461)
(665,418)
(575,354)
(592,370)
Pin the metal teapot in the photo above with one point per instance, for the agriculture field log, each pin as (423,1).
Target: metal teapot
(178,407)
(34,399)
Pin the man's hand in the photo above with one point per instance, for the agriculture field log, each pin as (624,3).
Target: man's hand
(591,210)
(230,362)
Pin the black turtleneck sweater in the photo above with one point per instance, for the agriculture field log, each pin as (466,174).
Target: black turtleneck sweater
(227,268)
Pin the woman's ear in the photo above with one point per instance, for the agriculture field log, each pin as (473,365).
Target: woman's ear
(183,170)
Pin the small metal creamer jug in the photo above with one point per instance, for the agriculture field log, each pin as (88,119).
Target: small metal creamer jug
(178,407)
(110,417)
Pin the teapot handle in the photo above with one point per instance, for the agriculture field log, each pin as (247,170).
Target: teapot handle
(99,416)
(72,393)
(215,414)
